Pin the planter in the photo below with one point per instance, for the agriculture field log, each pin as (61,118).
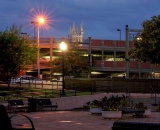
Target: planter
(125,108)
(96,110)
(112,114)
(147,112)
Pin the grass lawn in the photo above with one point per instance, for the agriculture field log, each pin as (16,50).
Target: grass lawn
(26,92)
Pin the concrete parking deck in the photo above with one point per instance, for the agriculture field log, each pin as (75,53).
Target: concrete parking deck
(76,120)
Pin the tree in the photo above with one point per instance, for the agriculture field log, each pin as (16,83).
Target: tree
(74,62)
(15,51)
(147,45)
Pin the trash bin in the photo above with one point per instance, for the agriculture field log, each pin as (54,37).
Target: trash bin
(32,105)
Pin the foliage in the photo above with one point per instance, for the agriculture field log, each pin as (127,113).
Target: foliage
(96,104)
(74,61)
(114,103)
(41,93)
(15,51)
(140,105)
(147,45)
(12,88)
(84,85)
(111,103)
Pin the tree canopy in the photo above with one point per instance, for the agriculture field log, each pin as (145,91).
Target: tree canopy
(15,51)
(146,47)
(74,61)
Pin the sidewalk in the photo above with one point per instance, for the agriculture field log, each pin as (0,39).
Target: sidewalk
(76,120)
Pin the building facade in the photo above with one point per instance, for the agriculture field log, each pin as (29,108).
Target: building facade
(107,58)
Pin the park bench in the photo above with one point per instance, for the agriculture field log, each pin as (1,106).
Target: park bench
(16,104)
(46,103)
(5,121)
(119,125)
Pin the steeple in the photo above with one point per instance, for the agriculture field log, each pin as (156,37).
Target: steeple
(81,28)
(74,35)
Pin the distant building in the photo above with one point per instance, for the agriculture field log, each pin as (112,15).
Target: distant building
(75,35)
(107,58)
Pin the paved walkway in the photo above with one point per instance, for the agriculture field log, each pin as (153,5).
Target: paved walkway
(76,120)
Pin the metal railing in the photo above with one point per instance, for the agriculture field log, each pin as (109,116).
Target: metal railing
(155,97)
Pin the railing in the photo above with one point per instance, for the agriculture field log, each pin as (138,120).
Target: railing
(76,88)
(129,96)
(155,97)
(128,93)
(34,83)
(98,89)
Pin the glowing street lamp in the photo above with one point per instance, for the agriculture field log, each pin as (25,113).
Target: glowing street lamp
(63,47)
(38,22)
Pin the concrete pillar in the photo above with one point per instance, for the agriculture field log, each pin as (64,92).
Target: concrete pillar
(51,48)
(90,56)
(114,43)
(102,57)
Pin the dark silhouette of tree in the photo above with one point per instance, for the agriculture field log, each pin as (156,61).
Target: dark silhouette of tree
(74,61)
(147,45)
(15,51)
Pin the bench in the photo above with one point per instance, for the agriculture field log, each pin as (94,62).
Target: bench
(46,103)
(119,125)
(16,104)
(5,121)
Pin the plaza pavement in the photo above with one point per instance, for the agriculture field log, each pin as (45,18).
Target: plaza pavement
(76,120)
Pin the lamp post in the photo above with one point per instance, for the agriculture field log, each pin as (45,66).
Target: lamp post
(120,33)
(127,30)
(63,47)
(33,22)
(38,22)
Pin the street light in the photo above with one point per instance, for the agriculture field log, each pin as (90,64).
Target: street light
(34,30)
(120,33)
(23,33)
(63,47)
(38,22)
(34,38)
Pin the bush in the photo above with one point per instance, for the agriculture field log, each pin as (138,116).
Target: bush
(80,85)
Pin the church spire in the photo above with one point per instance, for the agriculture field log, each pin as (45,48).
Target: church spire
(74,35)
(81,28)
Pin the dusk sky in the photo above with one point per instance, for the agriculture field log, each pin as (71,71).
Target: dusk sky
(101,18)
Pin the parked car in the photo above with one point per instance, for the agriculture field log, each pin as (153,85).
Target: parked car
(25,79)
(53,79)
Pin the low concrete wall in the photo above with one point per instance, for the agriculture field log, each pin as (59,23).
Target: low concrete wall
(65,103)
